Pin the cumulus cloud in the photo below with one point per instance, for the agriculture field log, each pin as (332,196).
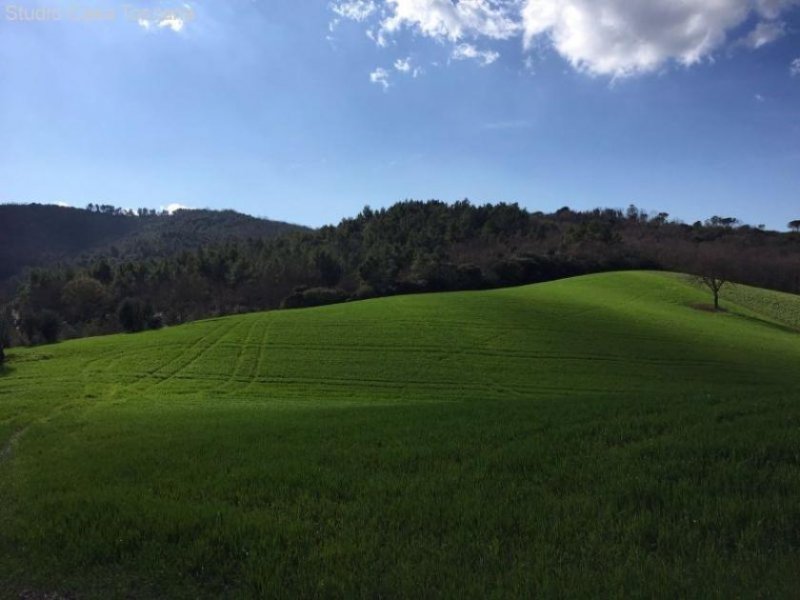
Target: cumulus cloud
(794,68)
(380,76)
(626,37)
(615,38)
(470,52)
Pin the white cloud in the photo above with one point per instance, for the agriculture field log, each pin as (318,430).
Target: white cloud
(174,207)
(529,64)
(404,66)
(355,10)
(615,38)
(63,205)
(794,68)
(174,22)
(380,76)
(759,98)
(772,9)
(628,37)
(468,51)
(765,33)
(152,19)
(443,19)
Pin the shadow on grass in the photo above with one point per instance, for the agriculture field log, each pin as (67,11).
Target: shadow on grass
(765,322)
(751,318)
(707,308)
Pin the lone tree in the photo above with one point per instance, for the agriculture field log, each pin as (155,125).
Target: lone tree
(794,225)
(714,272)
(715,284)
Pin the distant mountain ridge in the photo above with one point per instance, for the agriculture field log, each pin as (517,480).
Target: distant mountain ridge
(34,235)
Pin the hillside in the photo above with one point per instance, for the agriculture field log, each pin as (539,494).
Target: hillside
(37,235)
(183,268)
(595,436)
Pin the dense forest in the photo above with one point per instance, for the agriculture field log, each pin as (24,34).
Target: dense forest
(34,235)
(152,279)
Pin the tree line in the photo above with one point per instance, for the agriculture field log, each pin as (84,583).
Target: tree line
(35,235)
(412,246)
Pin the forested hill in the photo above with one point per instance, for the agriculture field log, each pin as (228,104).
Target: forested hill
(160,270)
(33,235)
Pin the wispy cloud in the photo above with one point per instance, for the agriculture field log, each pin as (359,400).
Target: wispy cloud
(493,19)
(404,65)
(153,19)
(765,33)
(794,68)
(615,38)
(355,10)
(380,76)
(470,52)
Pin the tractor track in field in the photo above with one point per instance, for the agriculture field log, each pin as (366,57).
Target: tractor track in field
(240,357)
(185,352)
(193,359)
(254,379)
(7,451)
(188,352)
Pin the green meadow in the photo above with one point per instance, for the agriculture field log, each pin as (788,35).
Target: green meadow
(592,437)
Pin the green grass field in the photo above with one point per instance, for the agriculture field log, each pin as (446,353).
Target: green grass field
(592,437)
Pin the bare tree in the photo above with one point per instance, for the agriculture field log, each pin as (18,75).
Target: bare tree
(715,284)
(714,270)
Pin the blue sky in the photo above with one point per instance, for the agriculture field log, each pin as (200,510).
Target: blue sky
(307,111)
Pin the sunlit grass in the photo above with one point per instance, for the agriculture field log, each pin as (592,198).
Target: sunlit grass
(595,436)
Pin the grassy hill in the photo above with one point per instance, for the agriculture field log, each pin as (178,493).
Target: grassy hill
(588,437)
